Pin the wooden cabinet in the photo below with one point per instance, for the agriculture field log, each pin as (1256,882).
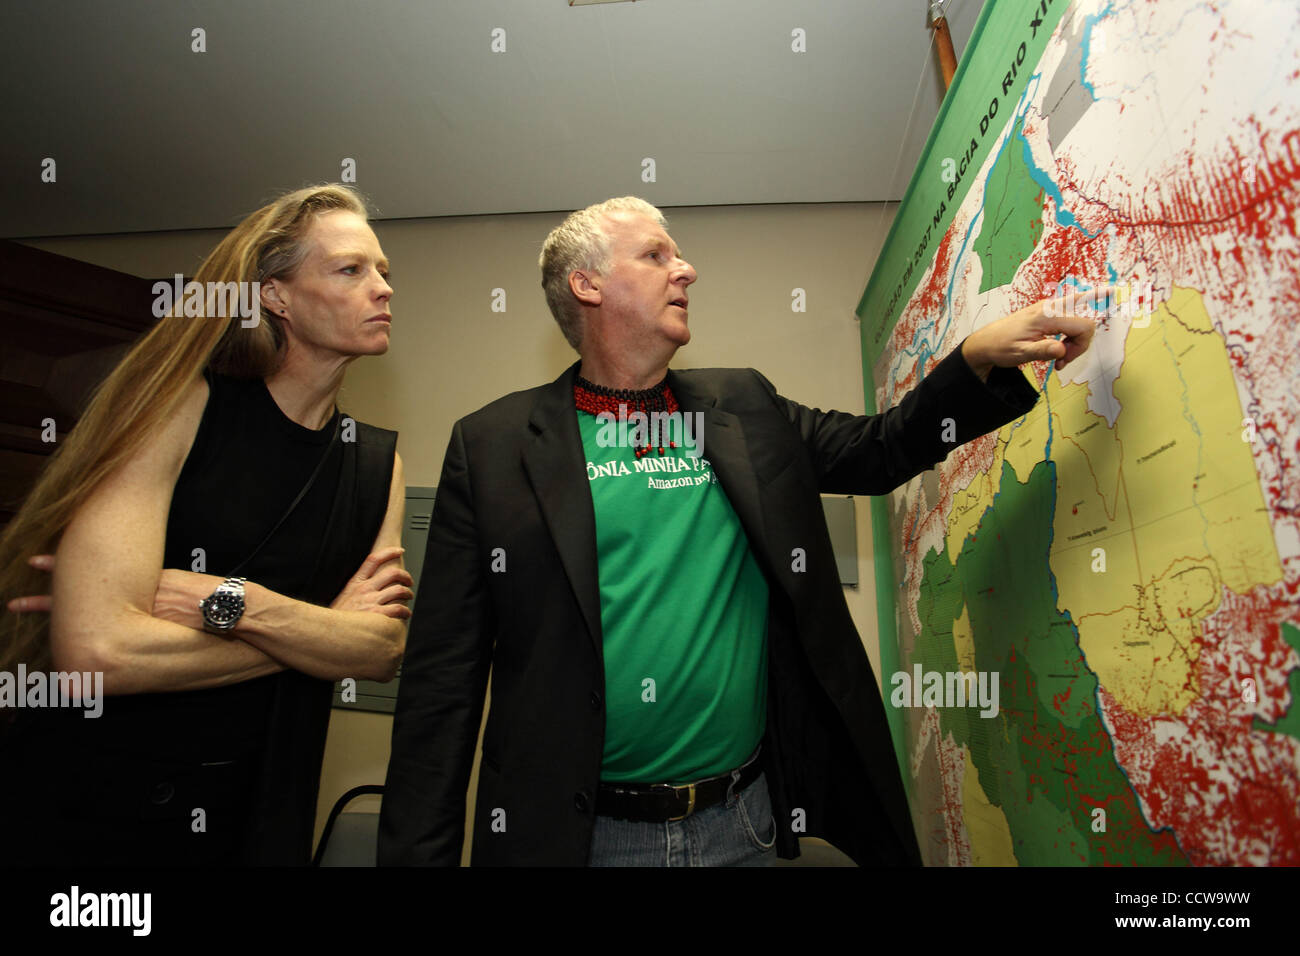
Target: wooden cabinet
(64,324)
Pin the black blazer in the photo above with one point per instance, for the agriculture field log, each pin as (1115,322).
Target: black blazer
(514,487)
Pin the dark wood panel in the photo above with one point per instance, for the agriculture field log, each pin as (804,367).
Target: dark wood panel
(64,324)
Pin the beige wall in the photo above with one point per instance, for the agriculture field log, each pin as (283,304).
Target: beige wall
(452,354)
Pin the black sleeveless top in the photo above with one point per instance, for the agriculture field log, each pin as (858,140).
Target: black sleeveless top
(248,754)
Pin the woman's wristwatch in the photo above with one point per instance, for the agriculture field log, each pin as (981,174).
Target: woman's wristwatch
(224,607)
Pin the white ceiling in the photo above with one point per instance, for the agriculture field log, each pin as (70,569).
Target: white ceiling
(148,135)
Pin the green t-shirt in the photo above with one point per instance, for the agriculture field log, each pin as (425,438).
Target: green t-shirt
(683,607)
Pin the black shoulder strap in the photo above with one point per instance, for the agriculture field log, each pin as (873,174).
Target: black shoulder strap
(302,493)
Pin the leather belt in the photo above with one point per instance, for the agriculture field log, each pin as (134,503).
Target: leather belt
(666,802)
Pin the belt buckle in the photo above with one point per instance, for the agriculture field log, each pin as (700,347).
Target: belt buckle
(690,799)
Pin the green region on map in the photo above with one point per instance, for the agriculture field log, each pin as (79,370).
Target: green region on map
(1014,215)
(1290,722)
(1045,759)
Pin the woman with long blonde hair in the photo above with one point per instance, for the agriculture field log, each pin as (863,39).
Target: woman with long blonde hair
(227,544)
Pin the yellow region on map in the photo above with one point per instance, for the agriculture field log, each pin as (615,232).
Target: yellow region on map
(986,825)
(1092,540)
(1024,442)
(1176,457)
(1143,654)
(970,503)
(968,506)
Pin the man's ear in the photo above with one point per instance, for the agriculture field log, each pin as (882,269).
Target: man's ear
(272,299)
(584,284)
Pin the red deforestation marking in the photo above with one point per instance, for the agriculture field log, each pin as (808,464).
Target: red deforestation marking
(930,297)
(1228,789)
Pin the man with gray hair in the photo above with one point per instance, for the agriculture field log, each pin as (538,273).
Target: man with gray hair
(676,679)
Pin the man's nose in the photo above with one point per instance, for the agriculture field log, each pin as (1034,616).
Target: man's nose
(686,272)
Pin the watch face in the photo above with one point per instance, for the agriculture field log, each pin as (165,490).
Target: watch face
(223,610)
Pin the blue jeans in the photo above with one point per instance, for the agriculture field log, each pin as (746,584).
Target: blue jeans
(739,831)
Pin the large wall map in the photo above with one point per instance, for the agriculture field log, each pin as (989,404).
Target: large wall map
(1126,557)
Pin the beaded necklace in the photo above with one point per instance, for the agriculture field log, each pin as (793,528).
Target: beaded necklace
(620,403)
